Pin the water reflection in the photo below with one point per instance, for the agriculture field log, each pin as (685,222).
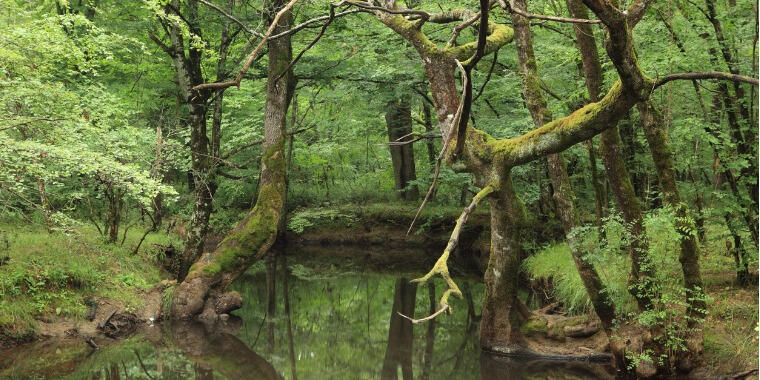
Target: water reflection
(305,320)
(398,351)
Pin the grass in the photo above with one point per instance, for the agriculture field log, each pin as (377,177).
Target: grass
(51,274)
(731,327)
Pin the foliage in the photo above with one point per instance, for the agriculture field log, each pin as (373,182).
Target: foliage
(36,281)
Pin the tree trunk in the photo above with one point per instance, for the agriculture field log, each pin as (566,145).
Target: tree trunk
(202,181)
(398,119)
(563,192)
(712,120)
(499,327)
(617,174)
(689,256)
(115,206)
(251,239)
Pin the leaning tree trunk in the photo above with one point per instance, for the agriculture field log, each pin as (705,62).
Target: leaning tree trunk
(563,192)
(251,239)
(610,149)
(398,119)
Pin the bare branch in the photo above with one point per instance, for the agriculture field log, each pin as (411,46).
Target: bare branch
(232,18)
(488,77)
(511,7)
(446,141)
(417,137)
(306,24)
(459,28)
(257,142)
(706,75)
(429,317)
(465,104)
(312,43)
(161,44)
(368,6)
(251,57)
(441,266)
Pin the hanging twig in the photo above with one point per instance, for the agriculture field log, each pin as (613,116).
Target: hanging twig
(441,266)
(511,7)
(446,141)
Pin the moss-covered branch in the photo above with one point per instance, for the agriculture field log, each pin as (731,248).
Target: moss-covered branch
(441,266)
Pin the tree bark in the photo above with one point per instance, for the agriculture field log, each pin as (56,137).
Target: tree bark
(251,239)
(563,192)
(696,310)
(499,325)
(617,175)
(689,257)
(189,73)
(398,119)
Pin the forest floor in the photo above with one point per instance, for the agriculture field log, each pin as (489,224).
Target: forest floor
(49,283)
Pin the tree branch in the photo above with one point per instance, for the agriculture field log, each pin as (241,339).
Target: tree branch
(232,18)
(446,141)
(511,7)
(251,57)
(706,75)
(441,266)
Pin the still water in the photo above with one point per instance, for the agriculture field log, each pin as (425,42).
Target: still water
(307,320)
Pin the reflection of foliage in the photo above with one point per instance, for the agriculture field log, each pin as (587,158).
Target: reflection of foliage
(340,326)
(321,272)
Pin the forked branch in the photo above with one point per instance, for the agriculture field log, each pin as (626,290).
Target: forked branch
(251,57)
(441,266)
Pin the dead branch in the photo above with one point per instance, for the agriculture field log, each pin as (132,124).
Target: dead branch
(459,28)
(312,43)
(706,75)
(429,317)
(441,266)
(446,141)
(232,18)
(417,137)
(511,7)
(251,57)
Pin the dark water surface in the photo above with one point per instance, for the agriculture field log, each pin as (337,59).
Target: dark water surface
(327,321)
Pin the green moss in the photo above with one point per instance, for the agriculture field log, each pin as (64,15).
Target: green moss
(212,269)
(499,35)
(259,226)
(594,116)
(534,326)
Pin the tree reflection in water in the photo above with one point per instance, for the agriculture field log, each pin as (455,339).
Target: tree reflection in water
(328,321)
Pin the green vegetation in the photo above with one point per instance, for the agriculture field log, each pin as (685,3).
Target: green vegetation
(51,276)
(730,328)
(620,156)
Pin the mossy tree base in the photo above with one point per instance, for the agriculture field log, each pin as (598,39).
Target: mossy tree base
(202,293)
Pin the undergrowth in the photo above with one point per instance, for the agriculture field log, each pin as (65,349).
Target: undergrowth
(730,329)
(51,274)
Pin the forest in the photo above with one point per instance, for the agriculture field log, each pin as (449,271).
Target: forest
(363,189)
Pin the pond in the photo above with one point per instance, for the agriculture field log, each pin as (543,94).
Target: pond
(326,320)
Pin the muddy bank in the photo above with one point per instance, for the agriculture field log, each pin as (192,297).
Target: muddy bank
(106,319)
